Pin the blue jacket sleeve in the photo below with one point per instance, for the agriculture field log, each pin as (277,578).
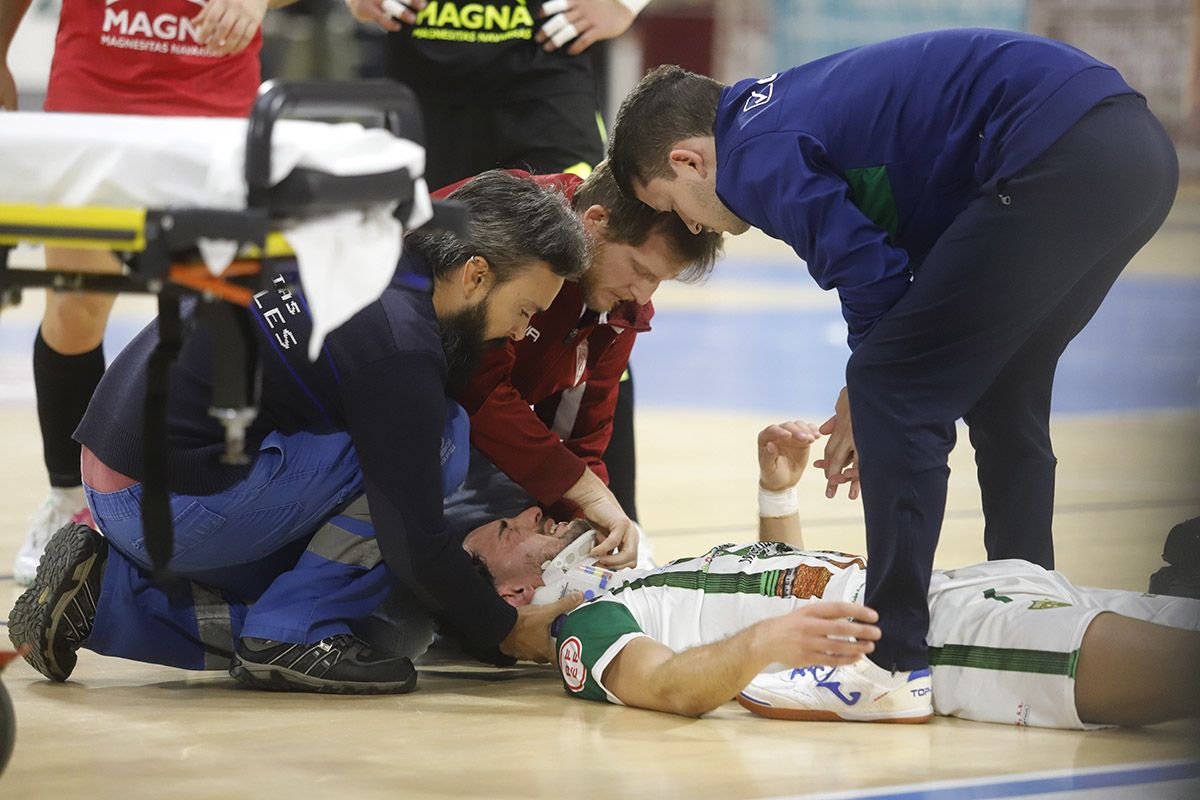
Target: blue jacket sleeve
(778,186)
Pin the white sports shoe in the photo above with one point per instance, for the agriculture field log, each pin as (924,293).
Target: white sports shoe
(861,692)
(60,507)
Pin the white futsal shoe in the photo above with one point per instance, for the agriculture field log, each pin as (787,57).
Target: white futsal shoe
(861,692)
(60,507)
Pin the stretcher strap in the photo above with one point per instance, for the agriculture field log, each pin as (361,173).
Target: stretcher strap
(157,528)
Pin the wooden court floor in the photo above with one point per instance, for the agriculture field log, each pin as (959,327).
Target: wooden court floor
(126,730)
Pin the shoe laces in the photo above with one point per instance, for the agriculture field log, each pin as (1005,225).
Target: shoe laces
(343,642)
(817,672)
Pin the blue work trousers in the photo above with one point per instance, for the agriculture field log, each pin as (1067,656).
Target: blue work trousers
(288,554)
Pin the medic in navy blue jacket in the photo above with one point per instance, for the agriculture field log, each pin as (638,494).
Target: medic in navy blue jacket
(971,195)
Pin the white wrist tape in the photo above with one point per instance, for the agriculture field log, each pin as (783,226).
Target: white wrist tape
(778,504)
(635,6)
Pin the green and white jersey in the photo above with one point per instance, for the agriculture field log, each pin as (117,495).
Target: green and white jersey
(695,601)
(1004,637)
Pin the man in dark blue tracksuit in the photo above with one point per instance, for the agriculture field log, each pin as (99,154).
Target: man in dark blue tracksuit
(971,195)
(343,497)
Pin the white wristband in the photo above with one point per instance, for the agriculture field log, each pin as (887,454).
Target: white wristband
(783,503)
(635,6)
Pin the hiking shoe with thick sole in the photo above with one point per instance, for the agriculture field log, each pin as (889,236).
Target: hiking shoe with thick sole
(860,692)
(54,616)
(341,664)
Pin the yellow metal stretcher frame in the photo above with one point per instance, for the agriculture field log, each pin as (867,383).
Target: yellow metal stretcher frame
(123,230)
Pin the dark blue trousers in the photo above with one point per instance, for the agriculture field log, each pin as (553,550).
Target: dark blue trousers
(288,554)
(977,337)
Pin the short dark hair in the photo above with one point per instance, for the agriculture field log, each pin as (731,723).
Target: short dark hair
(513,221)
(668,105)
(631,221)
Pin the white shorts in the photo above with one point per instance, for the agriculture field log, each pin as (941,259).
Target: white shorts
(1004,639)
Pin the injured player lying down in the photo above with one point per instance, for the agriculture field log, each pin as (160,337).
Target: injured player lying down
(779,628)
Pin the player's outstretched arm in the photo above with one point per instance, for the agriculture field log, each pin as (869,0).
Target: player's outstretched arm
(648,674)
(783,452)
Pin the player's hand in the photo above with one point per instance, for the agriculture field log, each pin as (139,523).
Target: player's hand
(803,637)
(8,89)
(840,462)
(387,14)
(228,26)
(618,548)
(783,453)
(582,23)
(529,640)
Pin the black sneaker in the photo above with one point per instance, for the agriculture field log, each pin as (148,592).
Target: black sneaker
(55,614)
(1181,551)
(341,664)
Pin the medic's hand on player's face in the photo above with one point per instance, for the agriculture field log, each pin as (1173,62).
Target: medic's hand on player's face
(529,640)
(582,22)
(619,534)
(783,453)
(387,14)
(841,458)
(601,508)
(228,26)
(8,89)
(803,637)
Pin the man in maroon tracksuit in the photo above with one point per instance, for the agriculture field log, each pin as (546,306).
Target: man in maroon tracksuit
(542,408)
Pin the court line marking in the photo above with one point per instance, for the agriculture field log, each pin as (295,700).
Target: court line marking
(1024,784)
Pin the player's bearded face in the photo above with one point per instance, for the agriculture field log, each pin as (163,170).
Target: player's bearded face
(464,344)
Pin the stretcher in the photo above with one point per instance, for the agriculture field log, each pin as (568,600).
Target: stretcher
(213,208)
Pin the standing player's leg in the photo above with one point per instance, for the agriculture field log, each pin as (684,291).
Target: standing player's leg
(68,362)
(1010,425)
(993,278)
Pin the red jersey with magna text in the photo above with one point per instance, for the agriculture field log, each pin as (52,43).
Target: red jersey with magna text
(143,57)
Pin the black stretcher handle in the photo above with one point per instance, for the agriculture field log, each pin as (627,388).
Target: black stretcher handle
(394,102)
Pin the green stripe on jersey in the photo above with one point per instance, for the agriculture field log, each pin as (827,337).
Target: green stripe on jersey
(756,583)
(1044,662)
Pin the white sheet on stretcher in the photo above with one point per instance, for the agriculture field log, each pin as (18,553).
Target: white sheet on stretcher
(346,258)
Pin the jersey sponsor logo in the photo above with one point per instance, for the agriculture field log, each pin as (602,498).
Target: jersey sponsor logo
(161,33)
(532,334)
(802,582)
(482,23)
(1038,605)
(570,662)
(990,594)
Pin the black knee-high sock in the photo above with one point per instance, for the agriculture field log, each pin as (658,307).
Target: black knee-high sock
(64,387)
